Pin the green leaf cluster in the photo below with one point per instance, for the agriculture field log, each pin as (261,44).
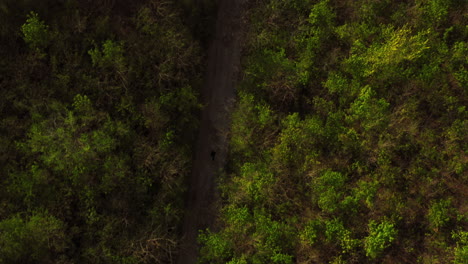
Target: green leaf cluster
(35,32)
(380,235)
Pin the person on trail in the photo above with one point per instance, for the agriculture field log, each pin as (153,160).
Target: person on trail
(213,153)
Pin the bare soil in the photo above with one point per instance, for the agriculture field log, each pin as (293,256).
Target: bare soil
(217,94)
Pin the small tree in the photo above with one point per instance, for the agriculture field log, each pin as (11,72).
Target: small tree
(216,246)
(330,190)
(439,213)
(110,56)
(336,232)
(380,236)
(461,250)
(35,32)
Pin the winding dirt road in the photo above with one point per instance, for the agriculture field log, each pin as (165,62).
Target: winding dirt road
(218,92)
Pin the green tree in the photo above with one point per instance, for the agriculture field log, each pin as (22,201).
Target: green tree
(257,183)
(35,32)
(249,120)
(369,111)
(461,248)
(112,55)
(69,145)
(217,247)
(380,237)
(336,232)
(383,58)
(435,11)
(299,143)
(312,38)
(329,188)
(273,239)
(439,213)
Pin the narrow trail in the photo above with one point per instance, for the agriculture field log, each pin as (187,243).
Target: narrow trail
(218,92)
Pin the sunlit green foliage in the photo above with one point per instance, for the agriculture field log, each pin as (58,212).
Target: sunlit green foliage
(349,132)
(311,231)
(273,238)
(295,141)
(256,182)
(217,246)
(399,46)
(439,213)
(312,37)
(329,187)
(435,11)
(368,111)
(380,237)
(461,248)
(68,146)
(35,32)
(253,118)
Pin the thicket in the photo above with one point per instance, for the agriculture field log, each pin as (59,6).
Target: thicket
(349,138)
(98,110)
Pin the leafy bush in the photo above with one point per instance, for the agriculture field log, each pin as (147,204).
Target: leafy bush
(436,11)
(329,188)
(35,32)
(295,142)
(461,249)
(241,260)
(249,118)
(368,111)
(311,231)
(217,247)
(439,213)
(273,239)
(110,56)
(380,237)
(68,145)
(258,183)
(311,39)
(336,232)
(366,192)
(399,46)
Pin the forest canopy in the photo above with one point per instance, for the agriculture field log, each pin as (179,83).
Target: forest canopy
(99,108)
(349,137)
(348,141)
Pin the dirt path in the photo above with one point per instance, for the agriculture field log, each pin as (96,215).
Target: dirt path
(218,92)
